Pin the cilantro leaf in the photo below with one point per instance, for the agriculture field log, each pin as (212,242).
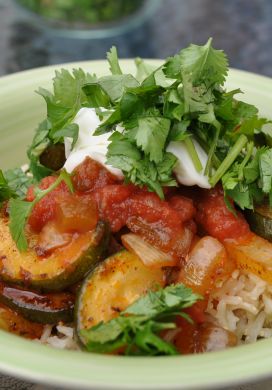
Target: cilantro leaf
(179,132)
(18,181)
(116,84)
(67,86)
(137,168)
(163,301)
(265,164)
(248,181)
(13,184)
(20,210)
(39,143)
(172,66)
(70,130)
(251,126)
(151,136)
(204,64)
(6,192)
(65,101)
(143,69)
(112,57)
(136,328)
(96,96)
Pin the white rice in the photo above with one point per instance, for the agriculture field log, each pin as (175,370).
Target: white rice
(243,305)
(60,336)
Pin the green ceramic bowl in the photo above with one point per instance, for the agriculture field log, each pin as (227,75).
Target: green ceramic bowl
(20,111)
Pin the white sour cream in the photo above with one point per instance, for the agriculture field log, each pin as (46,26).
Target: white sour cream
(88,145)
(185,170)
(96,147)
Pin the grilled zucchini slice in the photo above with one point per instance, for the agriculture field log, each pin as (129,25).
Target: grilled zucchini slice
(112,287)
(64,267)
(47,308)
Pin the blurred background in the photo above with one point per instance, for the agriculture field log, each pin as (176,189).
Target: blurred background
(42,32)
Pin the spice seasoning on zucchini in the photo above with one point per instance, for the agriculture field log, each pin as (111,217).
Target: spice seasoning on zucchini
(46,309)
(64,267)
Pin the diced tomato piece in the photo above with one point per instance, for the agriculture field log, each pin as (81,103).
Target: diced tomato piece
(145,214)
(184,206)
(159,224)
(113,205)
(91,175)
(152,209)
(215,218)
(44,210)
(75,213)
(154,220)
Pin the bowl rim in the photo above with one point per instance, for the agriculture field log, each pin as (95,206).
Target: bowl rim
(38,363)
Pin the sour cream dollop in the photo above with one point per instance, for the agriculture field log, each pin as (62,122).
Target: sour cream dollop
(88,145)
(185,170)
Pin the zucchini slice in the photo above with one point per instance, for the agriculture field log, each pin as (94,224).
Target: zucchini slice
(46,309)
(14,323)
(111,287)
(260,221)
(65,266)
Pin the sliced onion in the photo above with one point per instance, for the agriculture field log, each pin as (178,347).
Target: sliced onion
(150,256)
(50,238)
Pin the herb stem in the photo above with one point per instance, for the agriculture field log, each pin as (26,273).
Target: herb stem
(250,147)
(193,153)
(215,160)
(212,150)
(229,159)
(64,176)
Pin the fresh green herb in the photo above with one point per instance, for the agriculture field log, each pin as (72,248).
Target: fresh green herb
(19,181)
(192,151)
(13,183)
(6,192)
(20,210)
(62,106)
(112,57)
(249,181)
(136,329)
(229,159)
(183,100)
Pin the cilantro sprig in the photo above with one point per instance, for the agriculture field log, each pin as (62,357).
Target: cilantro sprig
(137,328)
(13,183)
(20,210)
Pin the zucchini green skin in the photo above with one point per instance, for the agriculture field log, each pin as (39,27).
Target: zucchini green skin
(260,221)
(28,270)
(112,286)
(45,309)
